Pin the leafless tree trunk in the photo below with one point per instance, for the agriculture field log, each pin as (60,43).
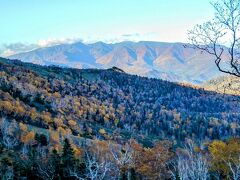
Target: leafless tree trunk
(224,29)
(9,141)
(73,172)
(234,167)
(96,170)
(7,129)
(122,156)
(98,165)
(46,170)
(191,165)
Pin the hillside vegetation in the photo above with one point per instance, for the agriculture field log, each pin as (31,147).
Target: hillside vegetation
(72,100)
(69,122)
(224,85)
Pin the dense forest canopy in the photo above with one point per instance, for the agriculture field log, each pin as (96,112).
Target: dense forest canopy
(72,100)
(105,124)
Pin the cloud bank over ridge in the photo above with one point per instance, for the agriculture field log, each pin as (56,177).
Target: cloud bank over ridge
(20,47)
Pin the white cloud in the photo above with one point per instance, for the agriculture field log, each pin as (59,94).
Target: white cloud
(7,53)
(135,37)
(56,41)
(16,48)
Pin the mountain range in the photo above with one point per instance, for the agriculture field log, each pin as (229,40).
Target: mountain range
(168,61)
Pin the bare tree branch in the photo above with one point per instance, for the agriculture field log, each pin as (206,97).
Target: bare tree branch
(211,36)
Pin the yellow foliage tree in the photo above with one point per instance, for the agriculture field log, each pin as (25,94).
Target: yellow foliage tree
(102,131)
(223,153)
(72,123)
(19,108)
(28,139)
(23,127)
(33,113)
(46,116)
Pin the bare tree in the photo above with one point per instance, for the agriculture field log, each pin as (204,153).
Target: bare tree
(122,155)
(180,169)
(46,169)
(96,170)
(98,165)
(74,172)
(9,141)
(8,129)
(224,29)
(229,86)
(234,167)
(190,165)
(24,150)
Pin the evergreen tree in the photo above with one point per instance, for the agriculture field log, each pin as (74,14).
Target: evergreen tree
(41,139)
(68,159)
(55,160)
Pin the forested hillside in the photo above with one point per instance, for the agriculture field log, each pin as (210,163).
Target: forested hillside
(224,85)
(40,106)
(73,100)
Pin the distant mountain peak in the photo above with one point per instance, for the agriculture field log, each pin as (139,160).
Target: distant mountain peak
(168,61)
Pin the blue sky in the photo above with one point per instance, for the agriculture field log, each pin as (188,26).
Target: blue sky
(43,22)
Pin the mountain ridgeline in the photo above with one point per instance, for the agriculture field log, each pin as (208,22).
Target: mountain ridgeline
(169,61)
(111,104)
